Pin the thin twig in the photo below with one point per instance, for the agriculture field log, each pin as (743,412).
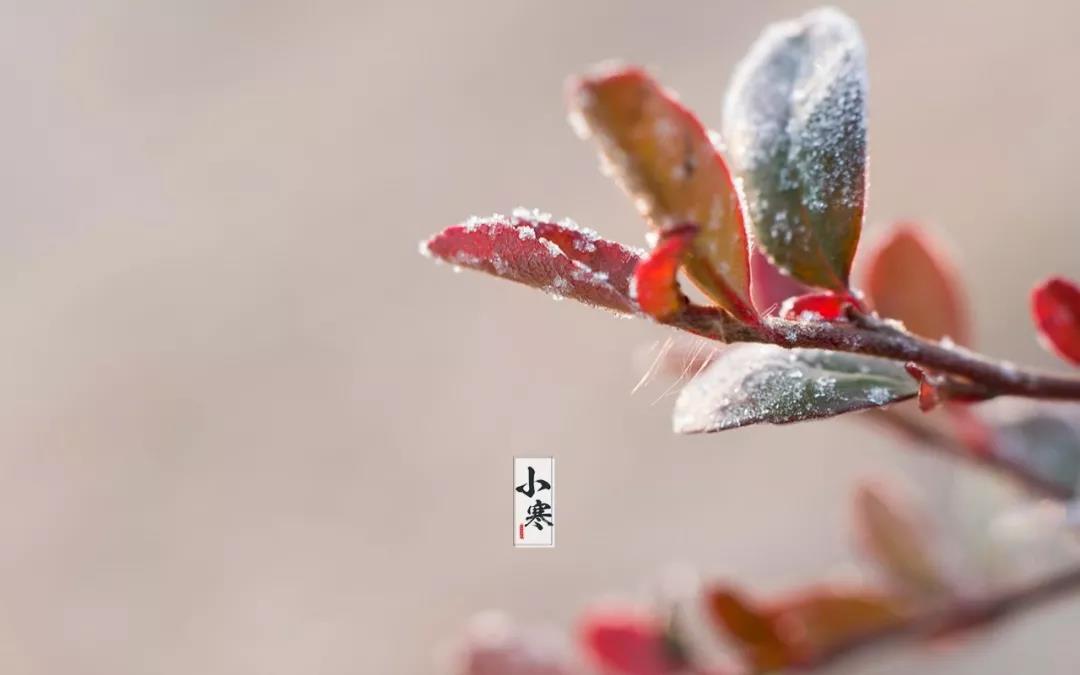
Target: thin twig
(888,342)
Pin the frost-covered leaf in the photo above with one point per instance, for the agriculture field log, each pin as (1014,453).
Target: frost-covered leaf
(909,277)
(751,383)
(560,258)
(1043,439)
(825,618)
(664,158)
(795,128)
(756,633)
(656,283)
(898,540)
(826,306)
(1055,306)
(629,643)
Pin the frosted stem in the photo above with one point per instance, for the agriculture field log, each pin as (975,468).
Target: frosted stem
(1000,378)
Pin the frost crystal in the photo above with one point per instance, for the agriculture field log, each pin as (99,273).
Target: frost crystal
(465,259)
(425,250)
(552,249)
(878,395)
(531,215)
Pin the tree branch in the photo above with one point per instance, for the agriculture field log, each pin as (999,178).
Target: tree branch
(877,338)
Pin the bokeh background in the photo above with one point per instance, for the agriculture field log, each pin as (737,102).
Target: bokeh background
(247,429)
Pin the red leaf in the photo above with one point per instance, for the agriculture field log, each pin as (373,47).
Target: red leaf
(929,394)
(972,431)
(758,635)
(656,284)
(826,618)
(1055,305)
(666,161)
(821,306)
(626,643)
(908,277)
(560,258)
(769,286)
(895,537)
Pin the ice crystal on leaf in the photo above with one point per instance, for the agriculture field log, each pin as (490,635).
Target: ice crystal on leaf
(752,383)
(565,261)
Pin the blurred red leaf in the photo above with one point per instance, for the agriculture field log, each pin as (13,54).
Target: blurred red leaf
(627,643)
(821,306)
(758,635)
(825,618)
(972,431)
(656,283)
(909,278)
(560,258)
(894,536)
(663,157)
(769,286)
(1055,305)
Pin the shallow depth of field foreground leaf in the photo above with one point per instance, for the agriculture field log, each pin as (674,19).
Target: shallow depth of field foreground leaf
(892,534)
(1055,305)
(908,277)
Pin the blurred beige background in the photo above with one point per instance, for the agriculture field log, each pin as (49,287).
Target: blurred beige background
(247,429)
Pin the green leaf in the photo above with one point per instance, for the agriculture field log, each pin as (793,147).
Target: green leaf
(795,128)
(751,383)
(1043,439)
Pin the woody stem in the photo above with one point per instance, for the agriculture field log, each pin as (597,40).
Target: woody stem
(883,340)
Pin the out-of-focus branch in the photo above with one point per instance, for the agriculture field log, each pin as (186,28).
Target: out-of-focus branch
(933,440)
(959,617)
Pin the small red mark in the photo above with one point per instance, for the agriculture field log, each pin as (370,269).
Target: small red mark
(521,530)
